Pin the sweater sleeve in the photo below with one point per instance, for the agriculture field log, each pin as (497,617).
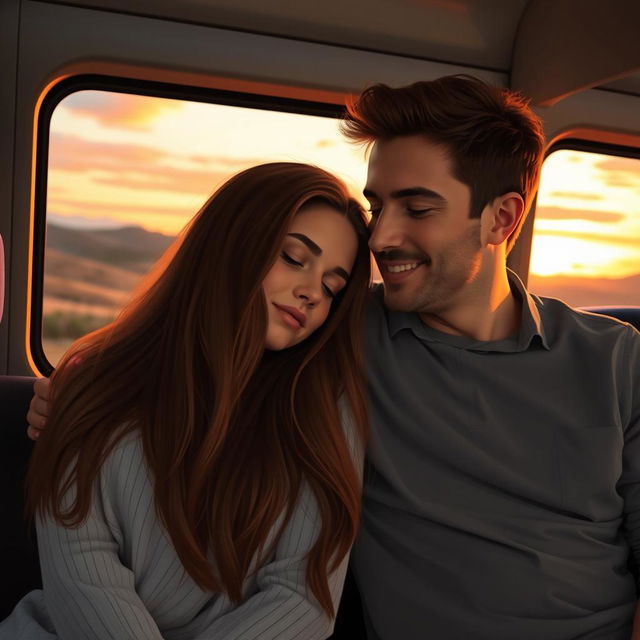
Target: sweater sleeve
(88,591)
(282,608)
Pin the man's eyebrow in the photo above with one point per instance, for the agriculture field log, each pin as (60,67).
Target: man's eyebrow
(408,193)
(316,250)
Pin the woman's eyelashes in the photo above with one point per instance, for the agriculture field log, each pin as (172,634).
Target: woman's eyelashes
(327,292)
(288,259)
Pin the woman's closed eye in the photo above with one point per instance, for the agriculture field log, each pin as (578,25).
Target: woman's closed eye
(292,261)
(328,291)
(287,258)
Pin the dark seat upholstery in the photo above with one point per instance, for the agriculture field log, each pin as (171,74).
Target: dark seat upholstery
(350,620)
(626,314)
(21,570)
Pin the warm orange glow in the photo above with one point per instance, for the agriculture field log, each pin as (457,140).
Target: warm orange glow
(120,160)
(588,217)
(32,199)
(125,159)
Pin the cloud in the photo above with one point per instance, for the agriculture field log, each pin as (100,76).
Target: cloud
(66,204)
(72,153)
(623,181)
(167,179)
(141,167)
(122,111)
(626,165)
(620,172)
(199,159)
(560,213)
(576,195)
(592,237)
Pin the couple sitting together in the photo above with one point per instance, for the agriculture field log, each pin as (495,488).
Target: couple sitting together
(257,415)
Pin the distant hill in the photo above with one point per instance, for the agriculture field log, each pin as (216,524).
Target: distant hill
(131,248)
(66,267)
(95,271)
(580,292)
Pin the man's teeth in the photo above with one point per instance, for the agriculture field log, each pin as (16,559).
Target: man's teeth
(397,268)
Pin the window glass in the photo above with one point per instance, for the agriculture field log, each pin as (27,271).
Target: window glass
(586,241)
(126,173)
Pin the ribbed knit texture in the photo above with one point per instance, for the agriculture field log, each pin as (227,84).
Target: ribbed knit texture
(118,575)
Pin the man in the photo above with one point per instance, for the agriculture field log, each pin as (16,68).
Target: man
(502,493)
(504,462)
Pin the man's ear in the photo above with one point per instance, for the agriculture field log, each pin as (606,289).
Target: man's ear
(501,217)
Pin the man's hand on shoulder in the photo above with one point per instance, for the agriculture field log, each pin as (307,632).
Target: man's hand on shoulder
(38,408)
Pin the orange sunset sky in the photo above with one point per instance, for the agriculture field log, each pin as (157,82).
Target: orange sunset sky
(118,159)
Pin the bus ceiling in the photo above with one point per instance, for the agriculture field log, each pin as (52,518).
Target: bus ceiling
(554,54)
(550,49)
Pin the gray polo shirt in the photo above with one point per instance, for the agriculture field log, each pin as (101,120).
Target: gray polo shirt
(502,492)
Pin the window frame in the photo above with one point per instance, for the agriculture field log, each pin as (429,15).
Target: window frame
(520,257)
(573,144)
(114,84)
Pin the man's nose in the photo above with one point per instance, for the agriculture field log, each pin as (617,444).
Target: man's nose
(385,232)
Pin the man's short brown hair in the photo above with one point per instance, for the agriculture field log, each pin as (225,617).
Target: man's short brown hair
(493,138)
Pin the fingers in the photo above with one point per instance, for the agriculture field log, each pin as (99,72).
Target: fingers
(33,433)
(38,408)
(41,388)
(36,421)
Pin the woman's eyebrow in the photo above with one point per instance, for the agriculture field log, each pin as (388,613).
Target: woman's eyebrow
(339,271)
(313,247)
(317,251)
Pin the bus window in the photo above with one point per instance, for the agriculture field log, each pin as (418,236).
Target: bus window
(126,172)
(586,239)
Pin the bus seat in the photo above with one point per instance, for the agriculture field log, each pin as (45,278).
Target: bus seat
(349,620)
(626,314)
(18,546)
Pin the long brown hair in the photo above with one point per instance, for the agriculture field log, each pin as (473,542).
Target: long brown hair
(229,431)
(494,140)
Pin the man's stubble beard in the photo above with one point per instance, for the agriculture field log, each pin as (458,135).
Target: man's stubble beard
(438,290)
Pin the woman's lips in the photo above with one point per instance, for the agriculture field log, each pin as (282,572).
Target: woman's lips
(292,316)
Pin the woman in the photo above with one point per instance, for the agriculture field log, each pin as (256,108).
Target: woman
(197,478)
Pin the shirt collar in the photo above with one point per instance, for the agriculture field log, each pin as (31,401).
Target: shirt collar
(530,326)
